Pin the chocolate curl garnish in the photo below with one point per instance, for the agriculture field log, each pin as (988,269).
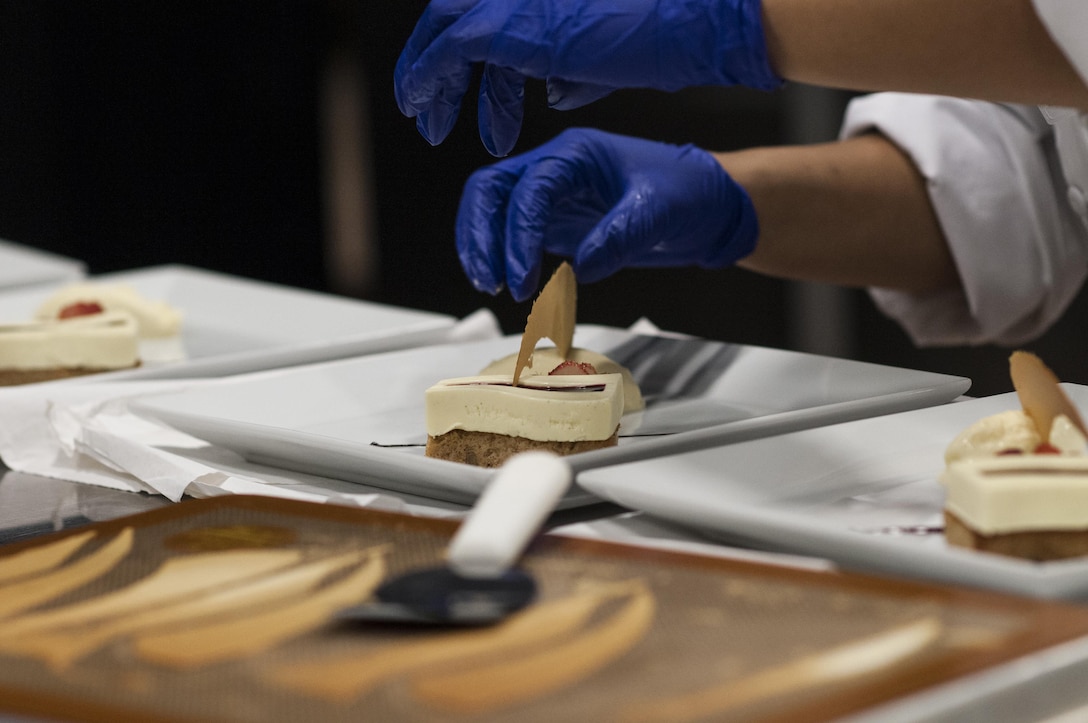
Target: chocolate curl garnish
(551,317)
(1040,395)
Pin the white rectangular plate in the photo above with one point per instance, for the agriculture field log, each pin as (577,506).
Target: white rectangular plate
(326,419)
(25,266)
(232,325)
(864,494)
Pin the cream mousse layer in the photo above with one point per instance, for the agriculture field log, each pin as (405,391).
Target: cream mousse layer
(557,408)
(157,323)
(1019,493)
(96,341)
(154,319)
(1012,430)
(547,358)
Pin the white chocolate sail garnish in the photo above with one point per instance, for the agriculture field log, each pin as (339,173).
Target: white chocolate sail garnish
(1039,393)
(545,408)
(1066,437)
(552,317)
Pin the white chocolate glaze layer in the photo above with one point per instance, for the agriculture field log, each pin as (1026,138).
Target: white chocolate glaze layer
(547,358)
(570,408)
(1017,493)
(154,319)
(97,341)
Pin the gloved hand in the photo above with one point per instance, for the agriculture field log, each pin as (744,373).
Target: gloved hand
(583,48)
(605,202)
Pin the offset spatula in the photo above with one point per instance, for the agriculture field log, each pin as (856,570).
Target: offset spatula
(479,584)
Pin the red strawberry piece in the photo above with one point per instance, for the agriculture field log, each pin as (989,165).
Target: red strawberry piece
(80,308)
(572,367)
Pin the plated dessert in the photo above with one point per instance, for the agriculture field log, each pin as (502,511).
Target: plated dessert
(483,420)
(1017,482)
(158,324)
(42,351)
(559,399)
(88,329)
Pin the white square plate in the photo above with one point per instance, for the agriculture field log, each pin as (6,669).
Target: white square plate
(232,325)
(26,266)
(346,419)
(864,494)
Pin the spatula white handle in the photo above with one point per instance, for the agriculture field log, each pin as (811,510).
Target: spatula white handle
(508,513)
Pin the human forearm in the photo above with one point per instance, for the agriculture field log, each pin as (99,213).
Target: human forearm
(854,213)
(988,49)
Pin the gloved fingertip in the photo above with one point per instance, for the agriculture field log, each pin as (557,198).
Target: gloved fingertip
(491,289)
(565,95)
(479,274)
(555,95)
(410,100)
(747,231)
(596,258)
(424,128)
(523,283)
(436,123)
(497,144)
(590,271)
(520,293)
(400,90)
(497,140)
(500,110)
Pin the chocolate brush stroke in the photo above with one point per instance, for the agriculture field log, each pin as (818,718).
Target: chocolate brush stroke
(348,676)
(510,682)
(60,648)
(40,559)
(26,594)
(261,630)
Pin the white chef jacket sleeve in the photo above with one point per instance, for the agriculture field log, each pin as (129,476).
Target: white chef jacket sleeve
(995,184)
(1067,23)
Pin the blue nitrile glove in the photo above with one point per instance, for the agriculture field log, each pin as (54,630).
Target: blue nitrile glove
(583,48)
(605,202)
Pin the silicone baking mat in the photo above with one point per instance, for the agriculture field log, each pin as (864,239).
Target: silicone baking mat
(221,610)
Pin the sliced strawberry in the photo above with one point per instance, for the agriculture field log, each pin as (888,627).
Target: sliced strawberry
(1047,448)
(80,308)
(572,367)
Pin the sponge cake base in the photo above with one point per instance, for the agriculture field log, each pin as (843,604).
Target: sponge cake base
(487,449)
(1036,545)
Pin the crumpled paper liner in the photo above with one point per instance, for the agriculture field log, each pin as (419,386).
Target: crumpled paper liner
(83,431)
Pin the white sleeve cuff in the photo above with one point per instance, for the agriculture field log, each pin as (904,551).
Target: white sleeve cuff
(992,178)
(1067,23)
